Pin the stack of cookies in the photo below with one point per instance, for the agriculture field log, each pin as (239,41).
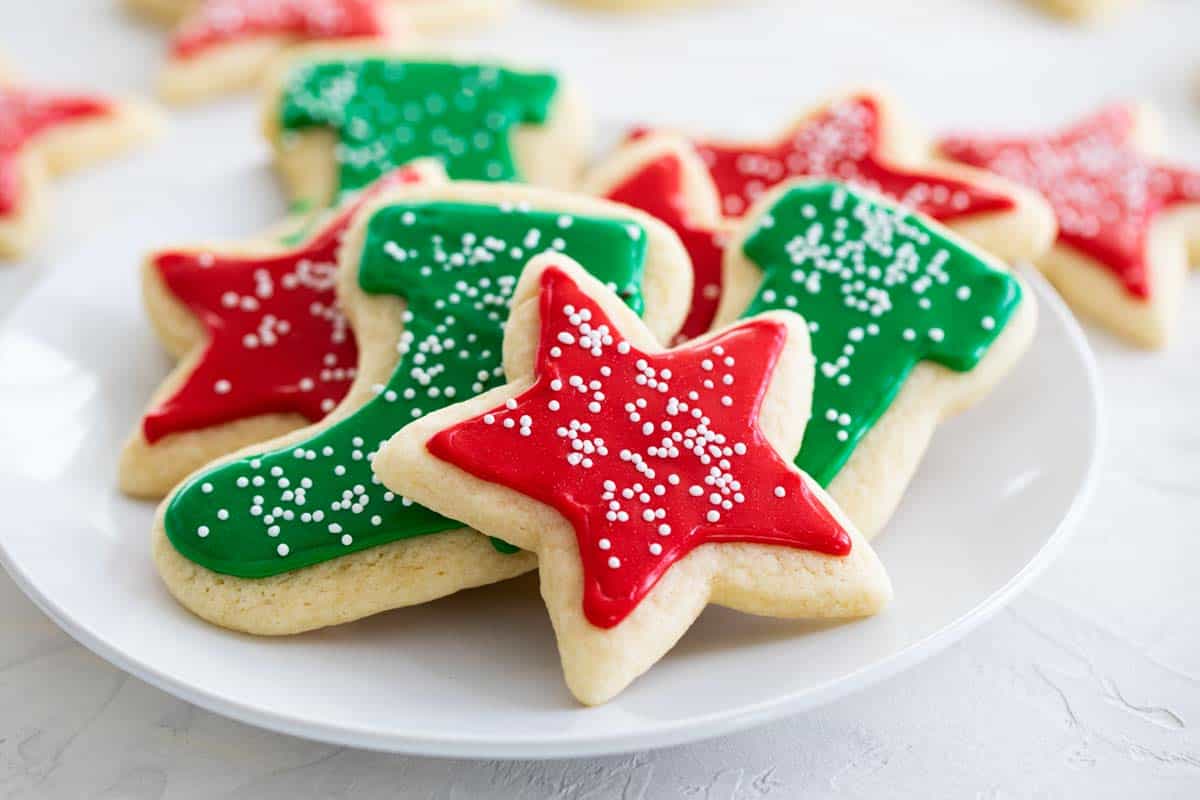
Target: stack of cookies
(699,371)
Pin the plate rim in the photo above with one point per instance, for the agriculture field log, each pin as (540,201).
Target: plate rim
(694,728)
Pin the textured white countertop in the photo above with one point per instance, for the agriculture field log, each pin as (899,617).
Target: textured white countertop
(1087,685)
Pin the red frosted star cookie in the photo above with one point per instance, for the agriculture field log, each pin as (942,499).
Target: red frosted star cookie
(221,22)
(263,346)
(44,133)
(648,481)
(221,46)
(224,45)
(854,138)
(663,176)
(1126,221)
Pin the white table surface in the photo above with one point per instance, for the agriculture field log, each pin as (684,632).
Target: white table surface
(1087,685)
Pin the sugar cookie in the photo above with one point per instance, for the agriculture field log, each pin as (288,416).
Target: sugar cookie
(296,533)
(43,134)
(263,348)
(664,176)
(226,45)
(855,137)
(909,324)
(339,117)
(222,46)
(1128,224)
(648,481)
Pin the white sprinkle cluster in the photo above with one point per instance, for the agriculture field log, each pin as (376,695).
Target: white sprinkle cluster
(859,281)
(266,329)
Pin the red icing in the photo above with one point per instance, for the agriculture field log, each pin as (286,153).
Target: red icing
(612,447)
(657,189)
(218,22)
(1104,193)
(841,142)
(23,116)
(277,341)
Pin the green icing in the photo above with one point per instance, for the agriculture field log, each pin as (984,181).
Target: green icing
(504,547)
(388,112)
(881,291)
(457,266)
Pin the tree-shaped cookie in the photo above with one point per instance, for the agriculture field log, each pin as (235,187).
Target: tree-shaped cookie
(909,324)
(45,133)
(648,481)
(297,533)
(264,348)
(1128,223)
(856,137)
(338,118)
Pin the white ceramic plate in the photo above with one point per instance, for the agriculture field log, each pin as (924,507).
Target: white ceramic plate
(478,674)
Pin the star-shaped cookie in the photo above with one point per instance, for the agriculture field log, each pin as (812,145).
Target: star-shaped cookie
(45,133)
(663,175)
(648,481)
(296,533)
(221,46)
(224,46)
(859,138)
(856,137)
(263,347)
(1128,223)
